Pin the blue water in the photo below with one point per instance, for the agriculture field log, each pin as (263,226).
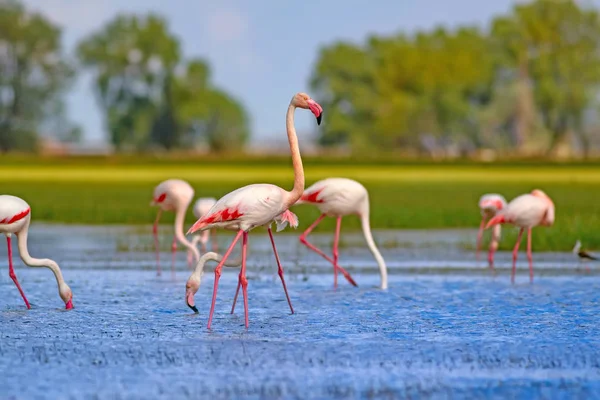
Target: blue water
(435,335)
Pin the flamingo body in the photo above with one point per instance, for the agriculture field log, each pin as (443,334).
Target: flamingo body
(339,197)
(526,212)
(490,205)
(173,195)
(15,218)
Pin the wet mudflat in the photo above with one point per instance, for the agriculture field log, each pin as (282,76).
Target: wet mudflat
(451,331)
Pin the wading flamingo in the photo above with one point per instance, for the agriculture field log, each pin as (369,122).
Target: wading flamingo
(15,217)
(193,283)
(490,205)
(338,197)
(257,205)
(526,211)
(200,208)
(173,195)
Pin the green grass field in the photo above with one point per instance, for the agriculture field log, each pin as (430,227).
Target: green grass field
(409,196)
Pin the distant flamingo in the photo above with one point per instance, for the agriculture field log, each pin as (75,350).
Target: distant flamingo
(257,205)
(490,205)
(200,208)
(173,195)
(338,197)
(15,217)
(526,212)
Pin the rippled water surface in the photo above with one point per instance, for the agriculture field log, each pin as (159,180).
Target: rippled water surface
(446,328)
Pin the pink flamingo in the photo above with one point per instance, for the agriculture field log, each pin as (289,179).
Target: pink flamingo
(338,197)
(193,283)
(490,205)
(258,205)
(15,217)
(201,207)
(173,195)
(526,212)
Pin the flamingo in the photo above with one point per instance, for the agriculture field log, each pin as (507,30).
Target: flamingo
(338,197)
(525,211)
(490,205)
(257,205)
(173,195)
(200,208)
(15,217)
(193,283)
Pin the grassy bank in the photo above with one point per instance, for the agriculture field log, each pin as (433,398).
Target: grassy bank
(412,195)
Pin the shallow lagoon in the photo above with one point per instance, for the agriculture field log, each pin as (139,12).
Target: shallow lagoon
(445,328)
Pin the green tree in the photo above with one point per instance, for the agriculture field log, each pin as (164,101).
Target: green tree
(145,98)
(33,75)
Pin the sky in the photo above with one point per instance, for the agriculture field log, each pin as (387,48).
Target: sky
(262,51)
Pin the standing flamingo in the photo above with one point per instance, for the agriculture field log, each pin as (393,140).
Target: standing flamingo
(201,207)
(15,217)
(490,205)
(173,195)
(338,197)
(526,211)
(257,205)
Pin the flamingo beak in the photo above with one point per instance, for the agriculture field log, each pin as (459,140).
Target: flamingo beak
(189,300)
(316,109)
(69,305)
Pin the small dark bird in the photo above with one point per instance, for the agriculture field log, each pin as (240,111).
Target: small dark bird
(583,255)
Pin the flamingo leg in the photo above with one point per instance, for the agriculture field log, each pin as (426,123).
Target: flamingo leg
(11,272)
(479,237)
(280,270)
(493,248)
(173,252)
(529,255)
(243,281)
(515,253)
(305,242)
(155,233)
(336,254)
(218,276)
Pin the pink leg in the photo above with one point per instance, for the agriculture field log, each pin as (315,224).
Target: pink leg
(280,270)
(173,252)
(155,233)
(493,248)
(479,237)
(515,253)
(529,255)
(319,252)
(218,276)
(243,280)
(189,259)
(11,272)
(336,254)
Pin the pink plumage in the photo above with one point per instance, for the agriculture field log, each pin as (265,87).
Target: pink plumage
(526,212)
(489,205)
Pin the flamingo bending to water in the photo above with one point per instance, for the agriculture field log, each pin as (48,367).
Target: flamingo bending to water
(526,211)
(490,205)
(338,197)
(257,205)
(15,217)
(173,195)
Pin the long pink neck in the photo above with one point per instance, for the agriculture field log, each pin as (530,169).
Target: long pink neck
(298,189)
(179,218)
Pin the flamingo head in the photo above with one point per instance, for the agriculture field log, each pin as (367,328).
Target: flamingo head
(66,295)
(191,287)
(302,100)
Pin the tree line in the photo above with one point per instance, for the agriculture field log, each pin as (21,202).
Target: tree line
(527,83)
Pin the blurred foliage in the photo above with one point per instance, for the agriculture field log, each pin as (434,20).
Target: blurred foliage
(151,96)
(523,85)
(34,75)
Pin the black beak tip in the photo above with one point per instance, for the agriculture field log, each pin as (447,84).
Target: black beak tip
(319,119)
(194,308)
